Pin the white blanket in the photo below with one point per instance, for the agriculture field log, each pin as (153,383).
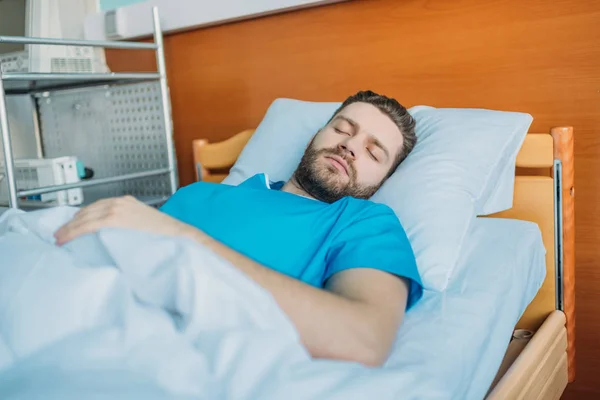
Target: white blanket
(123,314)
(161,314)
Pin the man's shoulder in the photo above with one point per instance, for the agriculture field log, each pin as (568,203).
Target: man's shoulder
(196,191)
(368,218)
(364,208)
(201,186)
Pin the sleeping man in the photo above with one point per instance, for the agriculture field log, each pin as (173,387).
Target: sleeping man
(339,265)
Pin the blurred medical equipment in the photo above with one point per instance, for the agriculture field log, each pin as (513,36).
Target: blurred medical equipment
(33,173)
(57,19)
(118,124)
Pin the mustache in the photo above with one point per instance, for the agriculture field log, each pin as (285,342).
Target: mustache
(342,154)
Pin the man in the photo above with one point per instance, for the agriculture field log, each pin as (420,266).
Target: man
(338,265)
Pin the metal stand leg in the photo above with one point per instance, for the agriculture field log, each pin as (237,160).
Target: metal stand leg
(164,91)
(9,166)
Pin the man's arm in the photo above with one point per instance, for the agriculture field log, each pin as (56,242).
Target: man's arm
(355,319)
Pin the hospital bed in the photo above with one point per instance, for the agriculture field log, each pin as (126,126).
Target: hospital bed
(539,360)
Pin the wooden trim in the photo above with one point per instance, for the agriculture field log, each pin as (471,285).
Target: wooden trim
(563,150)
(536,151)
(218,156)
(513,351)
(199,170)
(556,383)
(545,370)
(533,200)
(535,366)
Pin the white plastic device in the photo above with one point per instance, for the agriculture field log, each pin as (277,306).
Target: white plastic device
(59,19)
(36,173)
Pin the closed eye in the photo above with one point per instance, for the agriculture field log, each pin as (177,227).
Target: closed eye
(372,155)
(340,131)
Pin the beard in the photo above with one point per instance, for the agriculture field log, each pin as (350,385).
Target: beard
(325,182)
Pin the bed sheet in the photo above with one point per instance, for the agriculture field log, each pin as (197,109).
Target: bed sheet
(454,342)
(98,320)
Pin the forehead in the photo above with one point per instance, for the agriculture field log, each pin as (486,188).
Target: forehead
(374,122)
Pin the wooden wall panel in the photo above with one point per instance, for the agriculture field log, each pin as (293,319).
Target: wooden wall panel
(535,56)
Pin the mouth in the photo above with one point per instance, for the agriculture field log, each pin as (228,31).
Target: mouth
(339,163)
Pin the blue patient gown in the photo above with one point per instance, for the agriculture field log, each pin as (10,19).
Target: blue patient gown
(303,238)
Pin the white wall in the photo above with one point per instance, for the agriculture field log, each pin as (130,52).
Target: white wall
(176,15)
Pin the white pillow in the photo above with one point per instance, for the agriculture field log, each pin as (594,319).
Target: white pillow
(451,176)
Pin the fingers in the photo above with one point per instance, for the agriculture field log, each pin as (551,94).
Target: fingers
(92,218)
(80,225)
(70,232)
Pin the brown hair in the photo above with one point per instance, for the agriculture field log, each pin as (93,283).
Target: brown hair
(396,112)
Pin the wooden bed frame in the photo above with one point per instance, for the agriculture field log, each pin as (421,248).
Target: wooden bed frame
(542,368)
(540,359)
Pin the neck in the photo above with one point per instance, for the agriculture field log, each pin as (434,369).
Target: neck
(294,187)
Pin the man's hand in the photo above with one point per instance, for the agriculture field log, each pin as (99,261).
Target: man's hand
(120,212)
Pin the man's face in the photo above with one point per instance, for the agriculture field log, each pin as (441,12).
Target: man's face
(351,155)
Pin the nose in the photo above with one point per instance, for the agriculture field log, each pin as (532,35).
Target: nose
(347,150)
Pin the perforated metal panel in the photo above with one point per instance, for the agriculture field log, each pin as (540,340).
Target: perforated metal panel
(112,130)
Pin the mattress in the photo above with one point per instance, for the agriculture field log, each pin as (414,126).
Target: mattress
(453,342)
(449,347)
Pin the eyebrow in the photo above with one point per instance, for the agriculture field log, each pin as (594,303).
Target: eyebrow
(356,126)
(352,122)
